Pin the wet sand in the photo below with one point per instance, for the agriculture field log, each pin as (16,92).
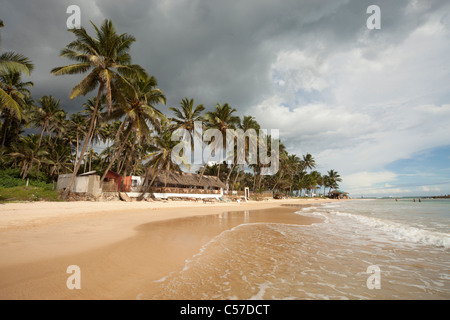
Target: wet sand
(121,250)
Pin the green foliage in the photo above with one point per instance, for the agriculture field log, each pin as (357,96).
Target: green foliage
(13,188)
(10,178)
(27,194)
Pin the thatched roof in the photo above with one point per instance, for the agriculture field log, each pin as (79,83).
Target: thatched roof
(189,179)
(337,192)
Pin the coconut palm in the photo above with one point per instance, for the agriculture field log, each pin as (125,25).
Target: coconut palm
(47,115)
(308,162)
(29,153)
(139,108)
(334,179)
(284,169)
(221,118)
(77,127)
(162,158)
(18,93)
(186,116)
(11,63)
(258,167)
(59,157)
(247,123)
(99,123)
(325,182)
(107,61)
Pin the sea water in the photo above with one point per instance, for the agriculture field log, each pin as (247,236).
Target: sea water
(403,247)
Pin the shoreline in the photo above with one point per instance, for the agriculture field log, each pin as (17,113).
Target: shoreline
(38,242)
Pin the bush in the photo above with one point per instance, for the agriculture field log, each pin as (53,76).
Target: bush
(27,194)
(11,177)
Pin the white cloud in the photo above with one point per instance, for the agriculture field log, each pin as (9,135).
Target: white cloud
(300,70)
(363,107)
(366,179)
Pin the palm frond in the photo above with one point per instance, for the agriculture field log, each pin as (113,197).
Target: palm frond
(12,62)
(86,85)
(71,69)
(74,55)
(8,102)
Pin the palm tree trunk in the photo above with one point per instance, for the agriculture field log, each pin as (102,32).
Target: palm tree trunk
(5,126)
(76,153)
(116,155)
(40,138)
(204,168)
(24,170)
(235,178)
(128,160)
(149,185)
(254,180)
(231,171)
(259,181)
(86,141)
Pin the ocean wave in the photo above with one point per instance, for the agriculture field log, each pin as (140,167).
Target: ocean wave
(401,231)
(398,230)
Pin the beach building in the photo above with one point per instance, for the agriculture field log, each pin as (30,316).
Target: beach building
(338,194)
(180,185)
(165,185)
(87,183)
(115,182)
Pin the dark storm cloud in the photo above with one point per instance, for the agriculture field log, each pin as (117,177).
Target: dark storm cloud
(213,51)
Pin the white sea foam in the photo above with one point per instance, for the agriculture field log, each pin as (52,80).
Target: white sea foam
(399,231)
(320,261)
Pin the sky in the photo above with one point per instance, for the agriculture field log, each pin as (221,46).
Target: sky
(372,104)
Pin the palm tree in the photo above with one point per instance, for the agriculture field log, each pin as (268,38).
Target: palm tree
(221,118)
(107,60)
(318,180)
(247,123)
(285,167)
(18,94)
(162,158)
(186,116)
(48,114)
(325,182)
(334,178)
(59,158)
(140,111)
(77,127)
(99,122)
(29,154)
(11,63)
(308,162)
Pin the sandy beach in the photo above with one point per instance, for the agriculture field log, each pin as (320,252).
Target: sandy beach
(120,247)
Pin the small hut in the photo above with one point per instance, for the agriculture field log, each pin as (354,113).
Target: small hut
(113,182)
(184,185)
(85,183)
(338,194)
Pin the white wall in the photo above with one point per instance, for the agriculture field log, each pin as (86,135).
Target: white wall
(84,184)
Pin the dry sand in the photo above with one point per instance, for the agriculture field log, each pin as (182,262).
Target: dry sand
(120,247)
